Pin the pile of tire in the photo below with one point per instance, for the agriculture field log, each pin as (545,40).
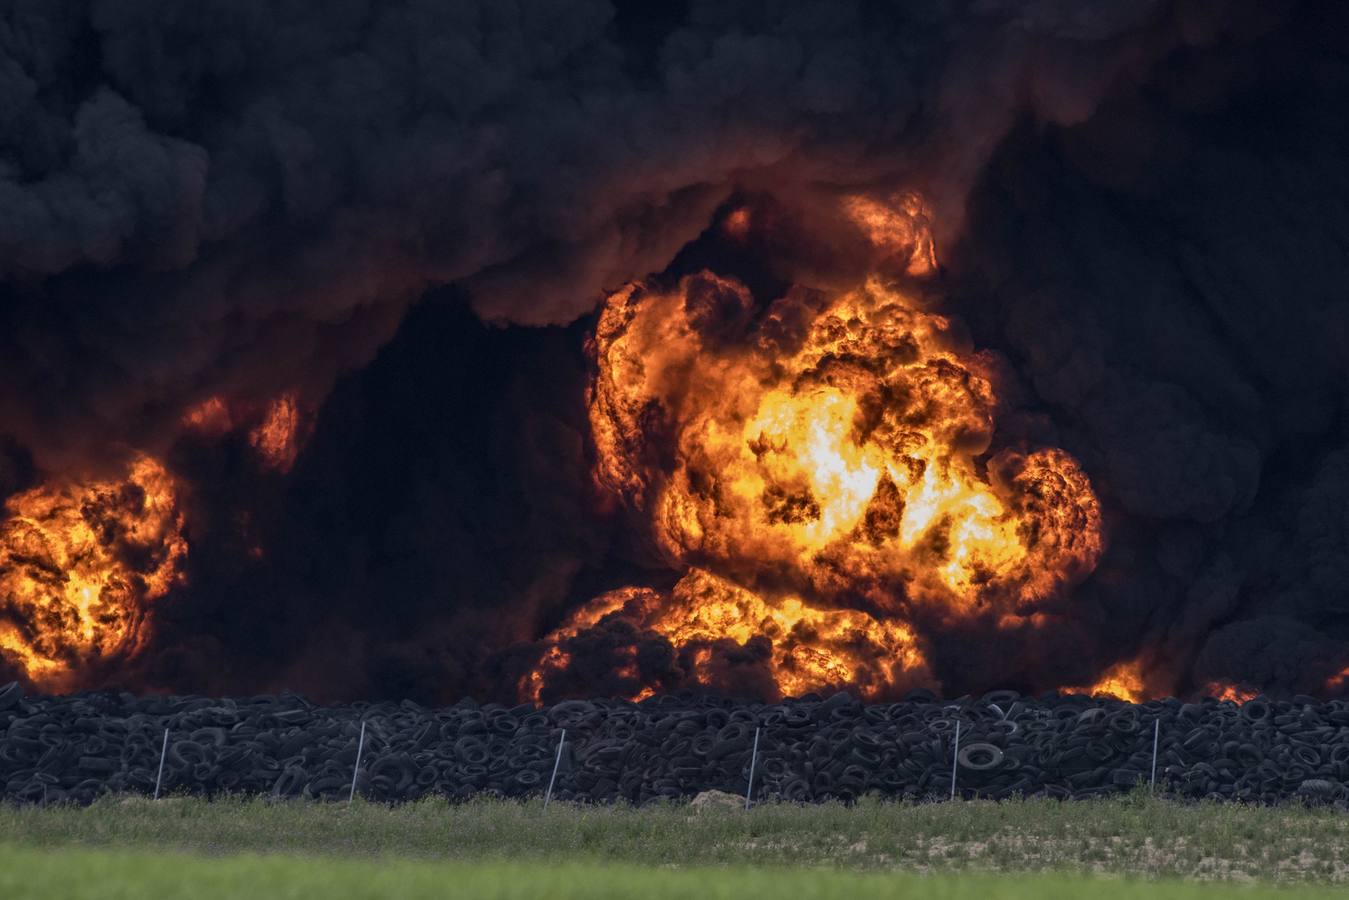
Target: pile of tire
(77,748)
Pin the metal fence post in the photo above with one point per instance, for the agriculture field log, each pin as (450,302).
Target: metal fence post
(955,760)
(753,758)
(356,769)
(1156,733)
(163,751)
(548,795)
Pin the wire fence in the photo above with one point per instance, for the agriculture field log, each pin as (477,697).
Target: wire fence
(837,749)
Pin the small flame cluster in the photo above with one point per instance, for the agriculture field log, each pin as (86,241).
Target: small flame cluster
(1122,681)
(1128,680)
(79,563)
(820,469)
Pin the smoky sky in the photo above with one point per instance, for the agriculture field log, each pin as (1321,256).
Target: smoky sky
(1141,207)
(1168,279)
(246,195)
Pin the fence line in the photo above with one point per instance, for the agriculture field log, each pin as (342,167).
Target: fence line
(1050,776)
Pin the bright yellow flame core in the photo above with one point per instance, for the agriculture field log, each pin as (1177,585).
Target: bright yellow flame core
(804,440)
(78,563)
(834,447)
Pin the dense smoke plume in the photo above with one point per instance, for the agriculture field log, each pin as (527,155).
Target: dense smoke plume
(1139,210)
(246,196)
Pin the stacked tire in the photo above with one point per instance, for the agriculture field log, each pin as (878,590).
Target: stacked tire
(77,748)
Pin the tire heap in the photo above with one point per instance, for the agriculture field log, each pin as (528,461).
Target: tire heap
(80,747)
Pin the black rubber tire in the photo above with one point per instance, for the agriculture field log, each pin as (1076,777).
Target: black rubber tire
(980,756)
(10,695)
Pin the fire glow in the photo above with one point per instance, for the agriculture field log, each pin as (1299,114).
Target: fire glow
(276,439)
(276,430)
(80,563)
(820,470)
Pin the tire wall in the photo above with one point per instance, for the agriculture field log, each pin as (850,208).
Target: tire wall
(80,747)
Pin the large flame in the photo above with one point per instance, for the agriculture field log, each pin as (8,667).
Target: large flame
(79,564)
(829,451)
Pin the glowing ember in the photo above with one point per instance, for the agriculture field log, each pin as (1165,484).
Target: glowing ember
(210,417)
(737,223)
(78,565)
(834,447)
(1123,681)
(277,438)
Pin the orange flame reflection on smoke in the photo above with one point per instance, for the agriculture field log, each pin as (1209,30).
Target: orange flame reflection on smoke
(276,433)
(210,417)
(79,563)
(277,437)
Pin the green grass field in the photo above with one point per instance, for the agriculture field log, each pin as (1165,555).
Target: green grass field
(105,875)
(1131,847)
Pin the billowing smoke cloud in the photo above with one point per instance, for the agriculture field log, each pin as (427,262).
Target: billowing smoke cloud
(246,196)
(1167,277)
(1140,206)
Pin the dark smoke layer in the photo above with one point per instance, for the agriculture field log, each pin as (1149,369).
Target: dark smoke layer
(247,196)
(1140,206)
(1167,278)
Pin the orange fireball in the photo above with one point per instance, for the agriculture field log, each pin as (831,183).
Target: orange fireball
(79,566)
(824,460)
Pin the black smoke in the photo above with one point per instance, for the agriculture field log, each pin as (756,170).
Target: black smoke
(246,195)
(1168,279)
(1142,207)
